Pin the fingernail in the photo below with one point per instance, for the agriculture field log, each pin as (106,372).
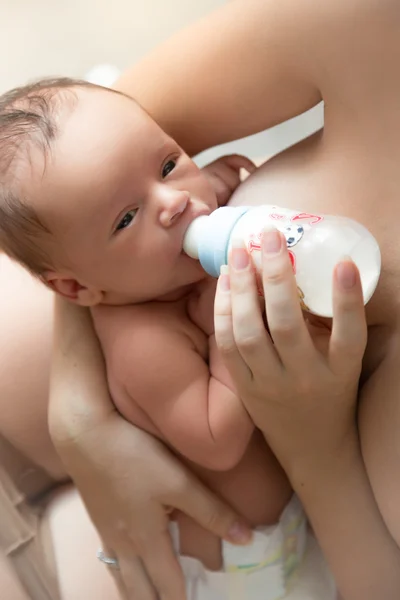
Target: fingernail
(346,274)
(240,256)
(272,241)
(224,281)
(239,533)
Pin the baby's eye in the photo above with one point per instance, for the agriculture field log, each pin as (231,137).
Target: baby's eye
(168,167)
(126,219)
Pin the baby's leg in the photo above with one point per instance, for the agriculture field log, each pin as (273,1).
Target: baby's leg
(257,488)
(74,542)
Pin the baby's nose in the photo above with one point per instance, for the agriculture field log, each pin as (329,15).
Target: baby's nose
(173,207)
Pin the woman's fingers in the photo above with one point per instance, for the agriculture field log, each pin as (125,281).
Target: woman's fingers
(250,335)
(194,499)
(161,564)
(349,329)
(284,315)
(129,574)
(223,327)
(132,579)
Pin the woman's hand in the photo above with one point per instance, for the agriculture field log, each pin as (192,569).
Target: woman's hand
(128,480)
(299,381)
(299,384)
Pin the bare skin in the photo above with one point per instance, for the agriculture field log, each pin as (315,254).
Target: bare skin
(350,169)
(124,202)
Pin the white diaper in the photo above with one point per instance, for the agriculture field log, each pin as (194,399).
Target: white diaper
(283,561)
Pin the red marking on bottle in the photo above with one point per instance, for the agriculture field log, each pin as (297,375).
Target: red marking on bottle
(303,216)
(277,216)
(253,245)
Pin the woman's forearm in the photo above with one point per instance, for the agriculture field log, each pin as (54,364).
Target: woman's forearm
(338,499)
(79,396)
(242,69)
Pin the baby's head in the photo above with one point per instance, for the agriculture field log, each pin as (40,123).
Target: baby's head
(95,197)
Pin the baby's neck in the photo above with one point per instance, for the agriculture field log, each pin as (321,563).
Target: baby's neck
(182,292)
(172,296)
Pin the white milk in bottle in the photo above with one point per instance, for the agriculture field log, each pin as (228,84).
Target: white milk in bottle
(316,243)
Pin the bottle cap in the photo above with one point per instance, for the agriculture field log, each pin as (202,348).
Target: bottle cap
(214,241)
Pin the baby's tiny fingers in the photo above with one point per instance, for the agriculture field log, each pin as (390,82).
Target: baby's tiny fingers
(237,161)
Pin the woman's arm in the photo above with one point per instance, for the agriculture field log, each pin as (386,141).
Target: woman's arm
(302,393)
(126,478)
(238,71)
(255,63)
(337,496)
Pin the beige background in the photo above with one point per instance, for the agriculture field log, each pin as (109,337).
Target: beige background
(68,37)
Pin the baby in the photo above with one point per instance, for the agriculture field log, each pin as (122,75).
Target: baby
(95,200)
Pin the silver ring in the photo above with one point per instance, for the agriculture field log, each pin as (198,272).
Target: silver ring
(107,560)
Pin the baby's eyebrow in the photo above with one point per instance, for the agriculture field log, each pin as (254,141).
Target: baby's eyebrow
(117,199)
(168,144)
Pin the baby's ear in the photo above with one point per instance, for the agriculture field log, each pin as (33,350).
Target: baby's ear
(72,290)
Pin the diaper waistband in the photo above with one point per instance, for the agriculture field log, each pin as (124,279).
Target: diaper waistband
(269,563)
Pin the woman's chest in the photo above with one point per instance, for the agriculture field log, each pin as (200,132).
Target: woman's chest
(359,182)
(341,179)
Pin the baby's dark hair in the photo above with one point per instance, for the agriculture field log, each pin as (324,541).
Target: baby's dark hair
(28,119)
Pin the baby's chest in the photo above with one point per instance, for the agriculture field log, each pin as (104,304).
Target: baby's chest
(200,307)
(140,326)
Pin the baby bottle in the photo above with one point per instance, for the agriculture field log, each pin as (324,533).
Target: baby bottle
(316,243)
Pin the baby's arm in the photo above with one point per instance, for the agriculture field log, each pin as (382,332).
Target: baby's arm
(161,370)
(224,175)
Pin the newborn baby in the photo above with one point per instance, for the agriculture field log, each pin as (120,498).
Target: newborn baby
(95,201)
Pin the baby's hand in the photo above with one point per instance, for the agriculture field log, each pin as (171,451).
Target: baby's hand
(224,175)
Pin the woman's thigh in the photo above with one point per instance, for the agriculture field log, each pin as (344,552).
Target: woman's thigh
(25,346)
(75,542)
(10,585)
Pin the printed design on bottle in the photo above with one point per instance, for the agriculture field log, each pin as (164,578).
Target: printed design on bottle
(293,235)
(302,216)
(277,216)
(314,219)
